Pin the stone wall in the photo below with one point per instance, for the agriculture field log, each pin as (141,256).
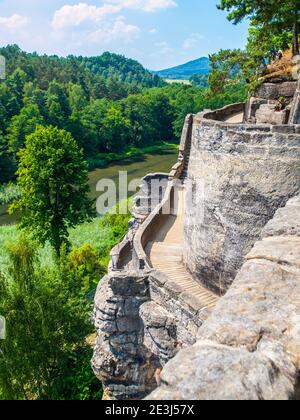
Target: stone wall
(249,348)
(143,320)
(121,361)
(239,176)
(224,113)
(148,199)
(272,103)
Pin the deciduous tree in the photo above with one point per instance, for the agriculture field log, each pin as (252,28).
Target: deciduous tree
(53,177)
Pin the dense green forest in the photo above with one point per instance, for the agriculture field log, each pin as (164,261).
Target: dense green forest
(107,103)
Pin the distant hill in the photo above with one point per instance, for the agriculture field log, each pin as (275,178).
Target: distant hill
(125,69)
(186,71)
(107,66)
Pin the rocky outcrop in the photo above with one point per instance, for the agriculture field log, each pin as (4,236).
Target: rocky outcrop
(239,176)
(295,108)
(142,319)
(269,114)
(272,103)
(121,361)
(146,321)
(249,348)
(276,90)
(151,193)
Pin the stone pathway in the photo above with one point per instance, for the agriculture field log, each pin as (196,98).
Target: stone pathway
(235,119)
(166,255)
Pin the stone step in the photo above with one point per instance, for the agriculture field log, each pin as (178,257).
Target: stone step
(166,251)
(168,244)
(159,253)
(166,255)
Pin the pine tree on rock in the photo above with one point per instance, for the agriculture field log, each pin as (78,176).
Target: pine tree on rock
(280,16)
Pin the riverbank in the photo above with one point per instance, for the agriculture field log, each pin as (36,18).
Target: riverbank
(104,159)
(137,164)
(101,234)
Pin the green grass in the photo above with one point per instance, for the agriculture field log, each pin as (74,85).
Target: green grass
(101,233)
(104,159)
(8,234)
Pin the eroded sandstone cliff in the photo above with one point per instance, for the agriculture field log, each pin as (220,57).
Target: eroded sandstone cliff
(154,316)
(249,348)
(240,175)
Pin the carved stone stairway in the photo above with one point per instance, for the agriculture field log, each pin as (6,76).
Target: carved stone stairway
(166,255)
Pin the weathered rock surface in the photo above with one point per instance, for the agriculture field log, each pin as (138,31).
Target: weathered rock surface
(249,348)
(276,90)
(295,108)
(152,189)
(239,176)
(121,361)
(209,371)
(286,222)
(268,114)
(142,321)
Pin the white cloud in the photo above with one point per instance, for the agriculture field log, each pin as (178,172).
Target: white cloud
(118,30)
(14,22)
(85,23)
(68,16)
(75,15)
(145,5)
(192,41)
(164,47)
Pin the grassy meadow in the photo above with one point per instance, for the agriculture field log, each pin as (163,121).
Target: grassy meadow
(102,234)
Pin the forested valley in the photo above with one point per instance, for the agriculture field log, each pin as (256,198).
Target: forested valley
(59,119)
(109,104)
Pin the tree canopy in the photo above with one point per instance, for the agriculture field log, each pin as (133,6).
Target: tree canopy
(45,355)
(275,17)
(53,179)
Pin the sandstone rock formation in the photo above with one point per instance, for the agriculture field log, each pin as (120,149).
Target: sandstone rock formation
(249,348)
(295,108)
(240,175)
(275,102)
(152,317)
(123,363)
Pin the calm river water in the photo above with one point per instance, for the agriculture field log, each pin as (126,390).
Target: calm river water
(136,169)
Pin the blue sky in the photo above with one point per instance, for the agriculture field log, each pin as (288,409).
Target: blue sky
(158,33)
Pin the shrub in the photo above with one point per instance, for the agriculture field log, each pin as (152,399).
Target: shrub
(9,193)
